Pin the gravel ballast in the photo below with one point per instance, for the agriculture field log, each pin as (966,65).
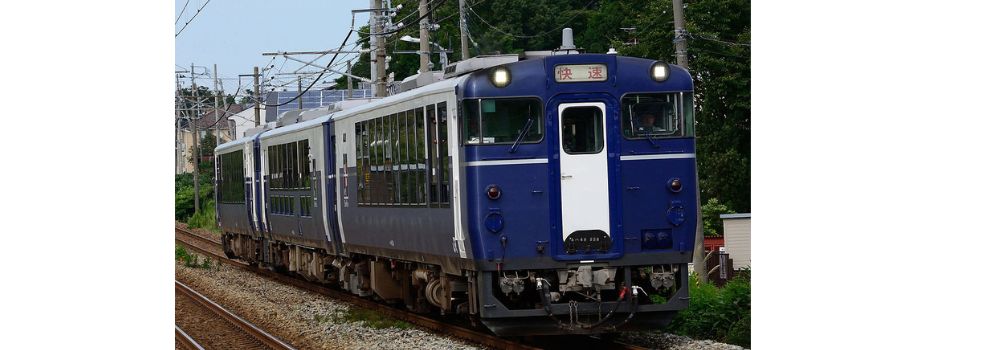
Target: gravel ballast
(657,340)
(303,319)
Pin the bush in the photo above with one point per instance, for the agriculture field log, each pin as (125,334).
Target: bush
(720,314)
(184,194)
(205,218)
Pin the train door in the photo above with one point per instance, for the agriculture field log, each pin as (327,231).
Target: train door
(583,178)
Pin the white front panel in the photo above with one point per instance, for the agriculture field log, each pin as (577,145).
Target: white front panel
(584,181)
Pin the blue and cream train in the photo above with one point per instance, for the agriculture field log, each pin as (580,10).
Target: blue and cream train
(538,193)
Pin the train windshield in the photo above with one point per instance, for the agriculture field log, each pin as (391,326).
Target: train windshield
(657,116)
(499,121)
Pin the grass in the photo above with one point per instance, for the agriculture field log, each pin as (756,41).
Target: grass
(191,260)
(205,218)
(720,314)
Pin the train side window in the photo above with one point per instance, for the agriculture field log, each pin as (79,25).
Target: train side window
(444,155)
(306,176)
(420,134)
(502,121)
(688,109)
(470,121)
(654,116)
(358,151)
(432,148)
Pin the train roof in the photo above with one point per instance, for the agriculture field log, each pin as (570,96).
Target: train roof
(443,85)
(237,143)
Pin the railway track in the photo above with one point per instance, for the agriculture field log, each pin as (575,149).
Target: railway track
(209,247)
(184,341)
(218,327)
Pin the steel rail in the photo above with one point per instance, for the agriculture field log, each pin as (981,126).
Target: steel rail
(265,338)
(428,323)
(185,340)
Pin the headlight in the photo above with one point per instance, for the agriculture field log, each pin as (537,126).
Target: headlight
(500,76)
(660,71)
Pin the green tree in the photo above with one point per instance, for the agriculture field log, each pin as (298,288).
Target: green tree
(720,65)
(710,211)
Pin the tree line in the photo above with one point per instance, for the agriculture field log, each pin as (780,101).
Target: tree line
(718,36)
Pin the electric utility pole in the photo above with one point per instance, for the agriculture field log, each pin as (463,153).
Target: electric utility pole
(380,90)
(462,29)
(215,79)
(179,141)
(680,44)
(256,96)
(680,35)
(350,82)
(425,45)
(194,127)
(300,92)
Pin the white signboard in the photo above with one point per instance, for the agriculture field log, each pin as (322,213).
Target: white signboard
(581,72)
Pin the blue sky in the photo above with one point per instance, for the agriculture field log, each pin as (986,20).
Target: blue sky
(234,33)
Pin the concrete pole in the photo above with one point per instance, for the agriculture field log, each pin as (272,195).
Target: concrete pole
(373,45)
(680,35)
(350,81)
(179,142)
(256,96)
(300,92)
(425,44)
(462,29)
(380,79)
(215,79)
(680,43)
(194,127)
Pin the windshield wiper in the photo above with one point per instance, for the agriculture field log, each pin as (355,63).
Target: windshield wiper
(524,131)
(650,139)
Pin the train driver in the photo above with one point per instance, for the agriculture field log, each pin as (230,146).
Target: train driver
(648,124)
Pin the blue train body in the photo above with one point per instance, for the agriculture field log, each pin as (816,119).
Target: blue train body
(542,195)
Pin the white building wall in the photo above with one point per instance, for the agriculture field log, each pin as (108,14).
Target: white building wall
(737,239)
(244,121)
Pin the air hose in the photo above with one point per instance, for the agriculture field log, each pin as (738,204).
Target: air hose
(543,293)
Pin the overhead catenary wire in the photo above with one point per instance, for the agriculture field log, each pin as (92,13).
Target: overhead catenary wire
(429,12)
(318,78)
(192,18)
(699,36)
(559,27)
(179,15)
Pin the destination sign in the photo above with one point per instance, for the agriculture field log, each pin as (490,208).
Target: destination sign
(581,72)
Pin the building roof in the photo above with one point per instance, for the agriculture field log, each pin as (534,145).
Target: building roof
(735,216)
(208,118)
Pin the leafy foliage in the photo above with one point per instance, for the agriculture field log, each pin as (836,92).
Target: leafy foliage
(710,211)
(184,194)
(721,314)
(718,48)
(205,218)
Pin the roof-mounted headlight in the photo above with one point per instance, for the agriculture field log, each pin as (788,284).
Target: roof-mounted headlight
(660,71)
(500,76)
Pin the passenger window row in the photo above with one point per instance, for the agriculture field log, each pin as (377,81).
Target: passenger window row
(403,158)
(288,165)
(285,205)
(231,187)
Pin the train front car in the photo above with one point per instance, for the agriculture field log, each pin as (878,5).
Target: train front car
(581,186)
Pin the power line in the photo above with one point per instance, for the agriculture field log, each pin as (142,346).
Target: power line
(328,65)
(182,11)
(192,18)
(429,12)
(559,27)
(698,36)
